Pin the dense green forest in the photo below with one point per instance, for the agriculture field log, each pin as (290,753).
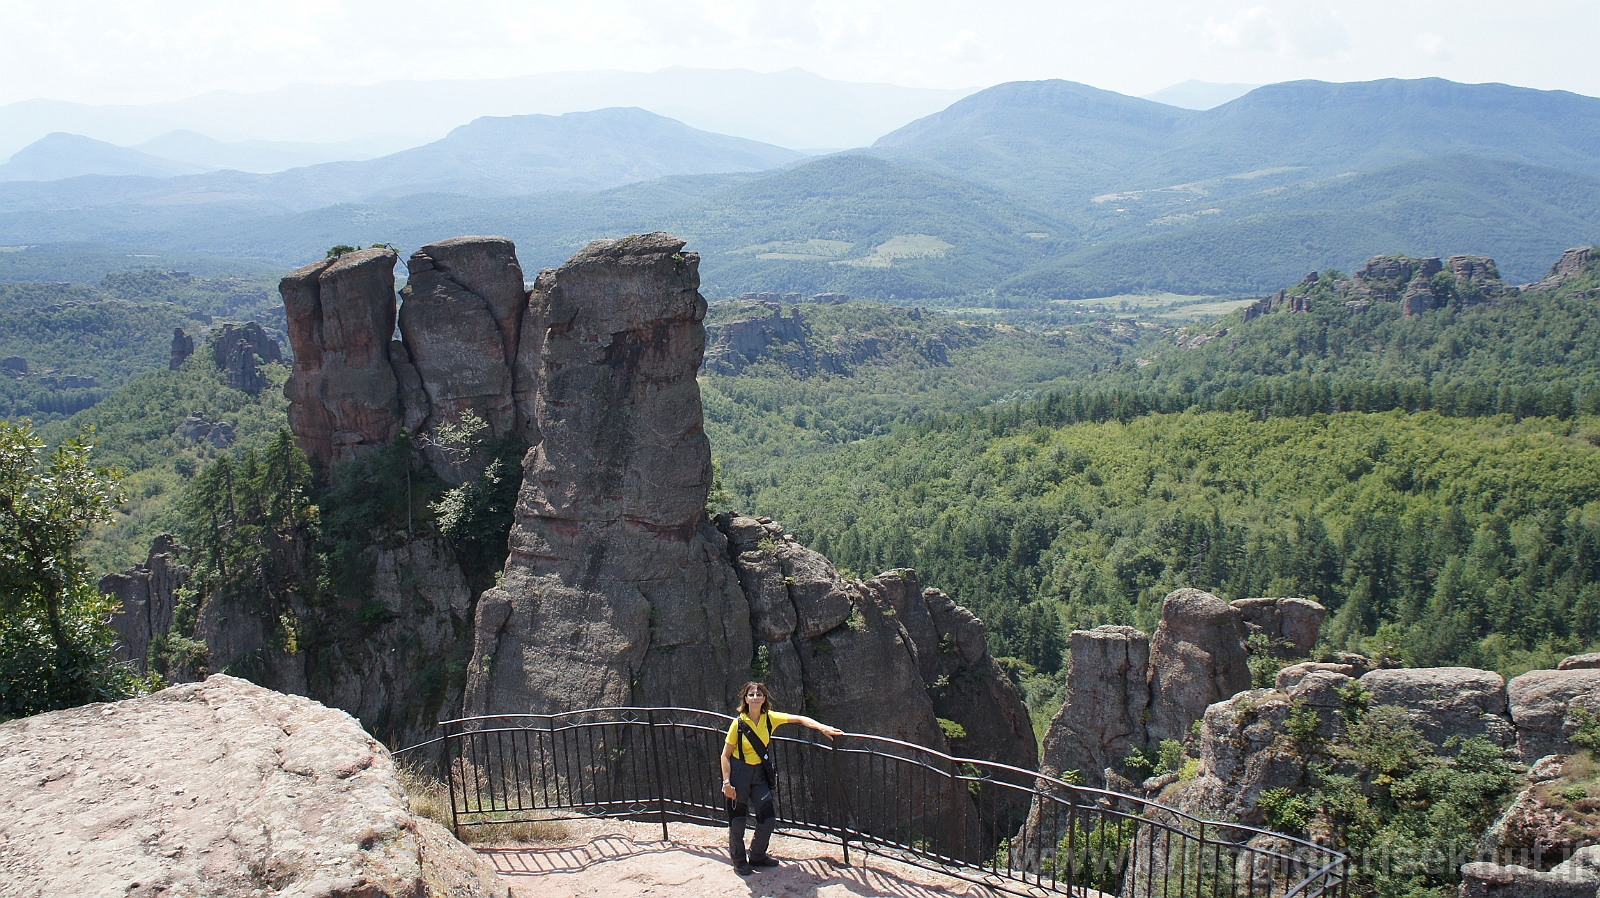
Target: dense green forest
(1432,479)
(80,343)
(135,431)
(896,366)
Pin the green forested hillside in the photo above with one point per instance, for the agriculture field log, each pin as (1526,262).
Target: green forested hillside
(1197,242)
(1454,520)
(135,431)
(1546,341)
(1485,529)
(920,364)
(82,343)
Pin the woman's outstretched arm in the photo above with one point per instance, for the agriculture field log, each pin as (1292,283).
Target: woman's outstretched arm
(833,732)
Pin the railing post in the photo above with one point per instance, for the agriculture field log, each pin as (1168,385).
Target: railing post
(661,785)
(449,775)
(838,786)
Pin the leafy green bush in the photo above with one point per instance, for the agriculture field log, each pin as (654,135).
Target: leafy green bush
(55,643)
(1407,814)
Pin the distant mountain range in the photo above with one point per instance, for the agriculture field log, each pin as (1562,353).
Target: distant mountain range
(1034,190)
(792,108)
(1200,94)
(487,157)
(60,155)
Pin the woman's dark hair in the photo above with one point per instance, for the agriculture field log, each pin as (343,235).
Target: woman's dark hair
(766,697)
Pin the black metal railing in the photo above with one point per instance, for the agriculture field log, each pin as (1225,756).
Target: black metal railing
(1010,829)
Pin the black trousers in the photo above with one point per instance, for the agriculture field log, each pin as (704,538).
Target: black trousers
(753,795)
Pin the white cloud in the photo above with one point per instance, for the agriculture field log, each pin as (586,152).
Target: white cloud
(1433,46)
(1287,31)
(966,48)
(107,51)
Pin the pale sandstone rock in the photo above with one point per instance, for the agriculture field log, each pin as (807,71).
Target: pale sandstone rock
(1103,719)
(1292,624)
(1570,264)
(182,348)
(1291,676)
(1590,661)
(144,594)
(219,788)
(616,591)
(1197,657)
(1542,704)
(240,350)
(1446,701)
(1245,750)
(460,322)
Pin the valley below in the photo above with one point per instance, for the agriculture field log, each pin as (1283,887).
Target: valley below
(1257,481)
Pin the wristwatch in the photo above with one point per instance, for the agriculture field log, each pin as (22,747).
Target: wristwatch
(727,782)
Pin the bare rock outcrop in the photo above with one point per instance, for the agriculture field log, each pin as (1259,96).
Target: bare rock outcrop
(1108,696)
(182,348)
(1245,749)
(240,350)
(196,429)
(145,594)
(1590,661)
(1385,278)
(1291,625)
(219,788)
(1576,877)
(1442,702)
(737,344)
(460,325)
(1197,658)
(342,393)
(882,656)
(1545,705)
(617,590)
(1571,263)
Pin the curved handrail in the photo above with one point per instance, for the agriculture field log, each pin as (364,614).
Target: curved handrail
(1198,852)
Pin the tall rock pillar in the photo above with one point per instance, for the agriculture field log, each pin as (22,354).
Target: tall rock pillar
(341,315)
(616,590)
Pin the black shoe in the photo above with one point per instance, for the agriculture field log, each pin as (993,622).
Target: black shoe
(764,861)
(742,869)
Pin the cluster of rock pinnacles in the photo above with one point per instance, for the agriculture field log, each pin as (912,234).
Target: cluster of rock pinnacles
(619,590)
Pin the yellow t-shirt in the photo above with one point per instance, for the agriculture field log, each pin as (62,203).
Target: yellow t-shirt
(763,727)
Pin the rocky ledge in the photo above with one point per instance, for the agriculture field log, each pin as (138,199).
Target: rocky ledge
(219,788)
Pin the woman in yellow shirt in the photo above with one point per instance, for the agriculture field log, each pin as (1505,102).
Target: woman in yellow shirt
(744,778)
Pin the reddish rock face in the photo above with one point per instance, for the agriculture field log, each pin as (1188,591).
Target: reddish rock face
(343,395)
(463,308)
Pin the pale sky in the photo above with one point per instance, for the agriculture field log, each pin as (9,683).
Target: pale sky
(138,51)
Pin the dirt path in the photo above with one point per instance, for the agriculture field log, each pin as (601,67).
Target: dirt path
(618,859)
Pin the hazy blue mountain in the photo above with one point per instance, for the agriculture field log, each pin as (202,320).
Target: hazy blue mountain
(509,156)
(1049,141)
(1039,139)
(1521,215)
(262,156)
(1333,128)
(1194,94)
(60,155)
(533,153)
(793,108)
